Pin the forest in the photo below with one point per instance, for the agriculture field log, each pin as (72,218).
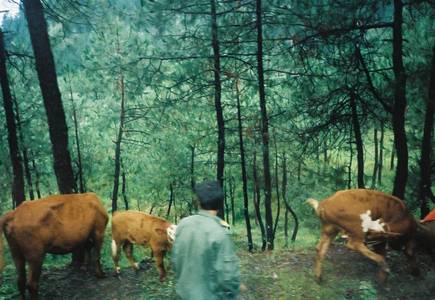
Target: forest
(279,100)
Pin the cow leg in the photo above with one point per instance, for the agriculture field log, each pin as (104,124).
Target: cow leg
(410,255)
(20,265)
(358,246)
(98,243)
(159,255)
(128,249)
(116,249)
(328,233)
(35,270)
(87,261)
(381,249)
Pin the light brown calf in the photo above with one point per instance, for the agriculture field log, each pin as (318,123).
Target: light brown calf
(57,225)
(366,215)
(139,228)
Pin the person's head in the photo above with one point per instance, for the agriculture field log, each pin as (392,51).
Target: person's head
(210,195)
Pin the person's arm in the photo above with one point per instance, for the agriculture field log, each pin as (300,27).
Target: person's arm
(227,267)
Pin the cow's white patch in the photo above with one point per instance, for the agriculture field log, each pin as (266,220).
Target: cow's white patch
(114,250)
(368,223)
(170,231)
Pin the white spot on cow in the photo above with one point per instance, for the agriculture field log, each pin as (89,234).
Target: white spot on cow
(114,248)
(368,223)
(171,233)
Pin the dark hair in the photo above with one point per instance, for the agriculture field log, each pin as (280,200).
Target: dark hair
(210,195)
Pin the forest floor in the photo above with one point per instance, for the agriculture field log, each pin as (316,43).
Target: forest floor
(279,274)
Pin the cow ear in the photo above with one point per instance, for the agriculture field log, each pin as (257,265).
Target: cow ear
(160,231)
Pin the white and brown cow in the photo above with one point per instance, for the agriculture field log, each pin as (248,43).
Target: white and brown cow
(138,228)
(57,224)
(366,215)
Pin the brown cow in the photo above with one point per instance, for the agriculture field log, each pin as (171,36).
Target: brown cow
(366,215)
(139,228)
(57,224)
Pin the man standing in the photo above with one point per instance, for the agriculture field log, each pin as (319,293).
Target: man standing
(203,256)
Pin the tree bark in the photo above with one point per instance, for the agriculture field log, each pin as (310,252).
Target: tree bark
(46,70)
(358,141)
(399,108)
(244,175)
(118,147)
(376,160)
(18,195)
(264,130)
(217,99)
(426,147)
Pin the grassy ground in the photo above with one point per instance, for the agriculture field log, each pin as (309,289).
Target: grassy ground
(285,273)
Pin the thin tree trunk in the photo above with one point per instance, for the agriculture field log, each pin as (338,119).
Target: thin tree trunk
(118,147)
(375,168)
(232,191)
(124,187)
(257,204)
(278,203)
(79,154)
(171,198)
(244,175)
(426,147)
(264,130)
(217,98)
(25,150)
(37,181)
(358,141)
(284,197)
(194,204)
(18,195)
(381,155)
(399,108)
(46,70)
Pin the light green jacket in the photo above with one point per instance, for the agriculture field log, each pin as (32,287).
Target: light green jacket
(203,259)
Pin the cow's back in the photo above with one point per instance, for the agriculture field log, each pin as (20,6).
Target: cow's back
(60,223)
(352,204)
(138,227)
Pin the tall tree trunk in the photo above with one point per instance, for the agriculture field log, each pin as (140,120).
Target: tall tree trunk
(193,204)
(278,202)
(381,155)
(124,186)
(244,175)
(46,70)
(284,197)
(376,160)
(426,147)
(217,99)
(18,195)
(257,196)
(118,147)
(79,154)
(25,151)
(264,130)
(358,141)
(399,108)
(171,198)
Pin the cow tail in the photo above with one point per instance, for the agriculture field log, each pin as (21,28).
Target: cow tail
(315,204)
(2,259)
